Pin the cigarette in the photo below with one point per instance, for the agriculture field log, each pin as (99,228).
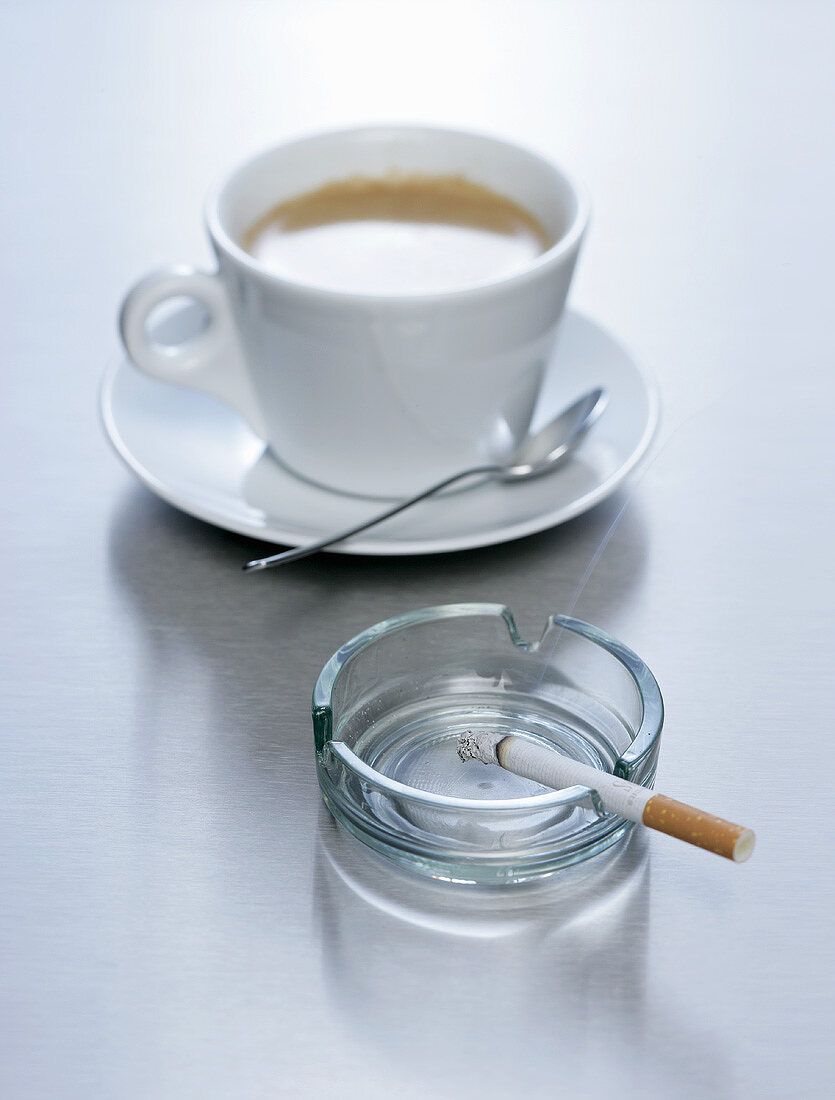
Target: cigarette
(618,796)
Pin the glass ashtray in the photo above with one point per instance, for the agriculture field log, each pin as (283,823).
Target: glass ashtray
(390,705)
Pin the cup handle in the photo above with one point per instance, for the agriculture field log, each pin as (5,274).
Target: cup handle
(211,362)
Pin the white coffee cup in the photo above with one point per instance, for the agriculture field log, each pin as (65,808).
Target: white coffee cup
(369,393)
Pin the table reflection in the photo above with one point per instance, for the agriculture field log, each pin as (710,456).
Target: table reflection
(524,981)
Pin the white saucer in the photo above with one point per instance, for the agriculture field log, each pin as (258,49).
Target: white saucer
(198,455)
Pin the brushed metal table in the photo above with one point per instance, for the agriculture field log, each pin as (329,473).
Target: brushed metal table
(179,916)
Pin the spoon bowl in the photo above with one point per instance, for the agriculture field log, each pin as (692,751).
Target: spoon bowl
(541,452)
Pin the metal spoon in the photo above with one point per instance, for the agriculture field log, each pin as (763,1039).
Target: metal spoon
(537,455)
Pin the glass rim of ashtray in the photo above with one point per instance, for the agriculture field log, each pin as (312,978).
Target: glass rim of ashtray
(645,738)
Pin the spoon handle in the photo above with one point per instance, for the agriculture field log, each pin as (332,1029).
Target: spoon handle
(320,544)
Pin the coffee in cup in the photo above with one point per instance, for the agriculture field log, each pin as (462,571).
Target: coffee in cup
(397,235)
